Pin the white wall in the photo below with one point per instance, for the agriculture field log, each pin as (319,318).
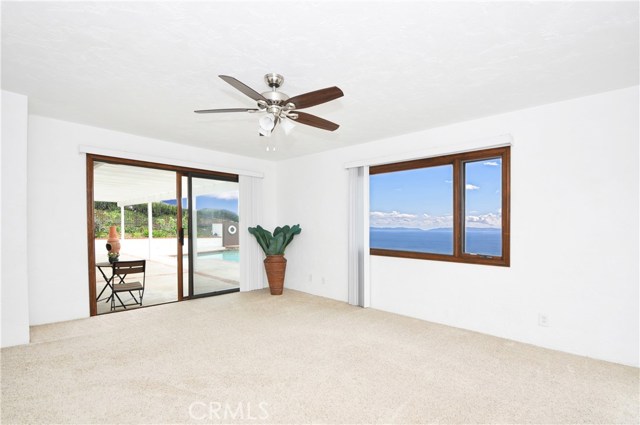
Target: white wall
(14,285)
(574,224)
(574,230)
(57,206)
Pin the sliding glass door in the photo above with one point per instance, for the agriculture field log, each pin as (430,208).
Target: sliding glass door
(211,249)
(134,211)
(181,222)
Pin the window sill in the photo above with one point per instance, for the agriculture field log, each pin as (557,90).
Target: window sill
(464,258)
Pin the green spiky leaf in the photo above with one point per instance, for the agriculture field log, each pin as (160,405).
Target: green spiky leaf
(274,244)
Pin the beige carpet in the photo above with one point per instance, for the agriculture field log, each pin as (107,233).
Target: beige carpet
(253,358)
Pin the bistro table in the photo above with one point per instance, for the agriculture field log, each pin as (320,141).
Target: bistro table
(108,279)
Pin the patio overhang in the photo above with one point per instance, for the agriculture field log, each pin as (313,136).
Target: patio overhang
(130,185)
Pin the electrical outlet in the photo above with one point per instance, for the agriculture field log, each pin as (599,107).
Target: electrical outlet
(543,320)
(310,277)
(323,281)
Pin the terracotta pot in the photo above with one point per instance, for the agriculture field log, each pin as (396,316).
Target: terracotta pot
(113,240)
(275,265)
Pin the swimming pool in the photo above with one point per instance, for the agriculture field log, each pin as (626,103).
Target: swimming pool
(229,255)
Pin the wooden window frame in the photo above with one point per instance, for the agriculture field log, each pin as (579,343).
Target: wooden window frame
(179,170)
(458,161)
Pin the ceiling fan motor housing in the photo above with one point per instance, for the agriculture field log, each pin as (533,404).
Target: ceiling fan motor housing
(274,80)
(275,97)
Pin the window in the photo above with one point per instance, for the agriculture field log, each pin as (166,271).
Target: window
(448,208)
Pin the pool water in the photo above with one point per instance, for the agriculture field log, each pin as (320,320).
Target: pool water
(230,255)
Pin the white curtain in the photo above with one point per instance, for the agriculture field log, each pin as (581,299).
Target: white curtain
(251,256)
(358,278)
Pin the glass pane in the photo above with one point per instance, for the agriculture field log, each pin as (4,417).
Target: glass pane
(216,246)
(412,210)
(483,207)
(134,207)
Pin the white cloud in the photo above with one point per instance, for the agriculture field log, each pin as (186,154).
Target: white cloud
(392,214)
(398,219)
(470,186)
(448,181)
(426,221)
(434,221)
(491,163)
(485,220)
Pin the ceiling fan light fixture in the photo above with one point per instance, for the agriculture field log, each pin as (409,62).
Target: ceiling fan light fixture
(266,124)
(263,132)
(287,125)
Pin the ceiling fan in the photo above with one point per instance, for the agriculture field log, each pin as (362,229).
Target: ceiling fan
(281,108)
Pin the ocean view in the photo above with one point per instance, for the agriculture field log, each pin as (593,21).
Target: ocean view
(485,241)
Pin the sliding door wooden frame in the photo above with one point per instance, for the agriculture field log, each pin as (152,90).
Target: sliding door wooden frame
(91,239)
(180,171)
(180,232)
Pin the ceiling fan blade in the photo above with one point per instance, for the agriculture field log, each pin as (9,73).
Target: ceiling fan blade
(243,88)
(315,97)
(215,111)
(312,120)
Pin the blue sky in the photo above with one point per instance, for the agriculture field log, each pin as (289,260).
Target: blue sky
(208,201)
(423,198)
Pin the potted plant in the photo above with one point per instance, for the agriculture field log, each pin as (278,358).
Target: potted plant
(113,256)
(273,246)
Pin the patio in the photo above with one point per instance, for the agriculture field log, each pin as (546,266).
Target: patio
(212,272)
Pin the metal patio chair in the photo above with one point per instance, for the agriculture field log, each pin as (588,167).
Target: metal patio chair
(122,270)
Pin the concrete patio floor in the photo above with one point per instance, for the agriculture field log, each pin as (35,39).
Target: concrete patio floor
(161,286)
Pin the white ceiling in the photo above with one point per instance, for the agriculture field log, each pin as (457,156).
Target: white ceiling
(143,67)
